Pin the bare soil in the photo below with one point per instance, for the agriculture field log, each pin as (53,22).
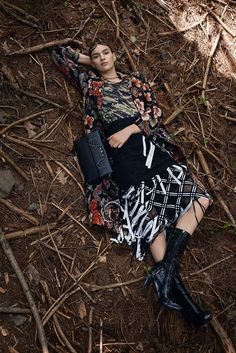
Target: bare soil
(128,318)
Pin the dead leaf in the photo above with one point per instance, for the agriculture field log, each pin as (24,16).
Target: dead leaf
(5,47)
(33,274)
(2,290)
(61,177)
(102,259)
(3,332)
(82,310)
(30,128)
(6,277)
(71,137)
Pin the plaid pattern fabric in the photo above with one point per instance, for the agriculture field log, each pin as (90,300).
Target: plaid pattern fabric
(152,206)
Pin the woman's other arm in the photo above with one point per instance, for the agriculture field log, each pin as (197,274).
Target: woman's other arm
(118,139)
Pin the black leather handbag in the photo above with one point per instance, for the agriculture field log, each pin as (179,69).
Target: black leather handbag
(92,157)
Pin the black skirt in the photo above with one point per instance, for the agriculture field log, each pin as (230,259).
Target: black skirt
(155,191)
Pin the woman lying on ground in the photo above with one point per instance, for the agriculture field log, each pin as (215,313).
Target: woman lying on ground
(150,200)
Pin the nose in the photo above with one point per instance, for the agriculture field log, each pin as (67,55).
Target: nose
(102,56)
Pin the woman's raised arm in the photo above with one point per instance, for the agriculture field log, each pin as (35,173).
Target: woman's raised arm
(78,57)
(67,61)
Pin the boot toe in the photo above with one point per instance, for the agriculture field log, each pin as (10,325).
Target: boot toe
(202,319)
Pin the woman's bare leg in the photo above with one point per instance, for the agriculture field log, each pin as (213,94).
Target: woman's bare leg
(188,222)
(158,247)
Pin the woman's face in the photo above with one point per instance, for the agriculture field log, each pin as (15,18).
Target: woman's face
(103,58)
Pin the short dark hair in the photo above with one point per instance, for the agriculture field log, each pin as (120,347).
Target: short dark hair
(95,44)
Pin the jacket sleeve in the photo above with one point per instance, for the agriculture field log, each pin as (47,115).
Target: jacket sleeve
(65,62)
(150,114)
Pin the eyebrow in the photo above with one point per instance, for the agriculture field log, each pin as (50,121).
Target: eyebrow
(94,54)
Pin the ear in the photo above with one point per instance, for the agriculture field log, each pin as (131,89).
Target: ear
(114,56)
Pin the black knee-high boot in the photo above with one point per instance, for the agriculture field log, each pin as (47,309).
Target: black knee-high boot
(163,272)
(190,310)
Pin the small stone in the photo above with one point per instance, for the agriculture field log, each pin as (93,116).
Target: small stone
(33,207)
(139,347)
(7,181)
(18,319)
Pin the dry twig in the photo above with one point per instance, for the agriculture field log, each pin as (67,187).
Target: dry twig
(218,20)
(8,252)
(163,34)
(55,319)
(47,45)
(211,182)
(4,5)
(26,118)
(131,61)
(174,115)
(84,24)
(90,339)
(212,265)
(14,165)
(117,19)
(36,96)
(29,231)
(224,338)
(20,10)
(20,211)
(213,49)
(94,287)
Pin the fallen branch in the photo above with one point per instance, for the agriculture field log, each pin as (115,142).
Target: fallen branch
(222,335)
(74,219)
(94,287)
(29,231)
(90,332)
(55,319)
(174,115)
(8,252)
(72,176)
(212,185)
(230,109)
(218,20)
(5,8)
(117,19)
(211,182)
(20,211)
(36,96)
(14,165)
(212,265)
(163,34)
(84,24)
(121,30)
(47,45)
(20,10)
(26,118)
(117,24)
(213,49)
(27,145)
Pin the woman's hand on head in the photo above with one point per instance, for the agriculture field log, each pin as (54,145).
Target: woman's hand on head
(118,139)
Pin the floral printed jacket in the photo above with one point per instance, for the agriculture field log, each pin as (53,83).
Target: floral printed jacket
(103,199)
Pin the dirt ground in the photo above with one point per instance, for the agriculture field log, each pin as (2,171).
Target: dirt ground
(69,266)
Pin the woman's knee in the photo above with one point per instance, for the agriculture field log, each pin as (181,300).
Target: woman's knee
(204,202)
